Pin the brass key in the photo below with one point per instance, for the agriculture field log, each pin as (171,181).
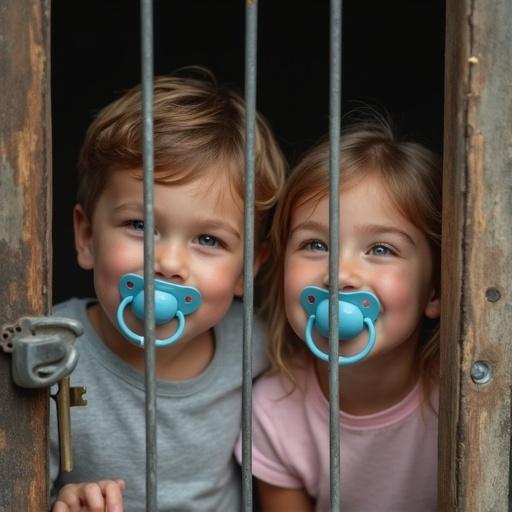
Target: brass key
(65,398)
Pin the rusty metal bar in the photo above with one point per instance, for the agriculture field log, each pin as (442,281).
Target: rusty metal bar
(251,34)
(334,231)
(149,256)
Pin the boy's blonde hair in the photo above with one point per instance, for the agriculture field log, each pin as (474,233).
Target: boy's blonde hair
(197,124)
(412,176)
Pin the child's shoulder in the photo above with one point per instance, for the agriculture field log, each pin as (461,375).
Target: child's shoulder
(71,308)
(278,386)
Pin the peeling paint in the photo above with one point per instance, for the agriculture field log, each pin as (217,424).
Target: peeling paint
(12,197)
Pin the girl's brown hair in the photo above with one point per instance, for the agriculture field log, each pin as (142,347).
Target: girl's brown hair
(412,176)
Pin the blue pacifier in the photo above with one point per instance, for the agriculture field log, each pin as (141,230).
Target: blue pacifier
(171,301)
(356,309)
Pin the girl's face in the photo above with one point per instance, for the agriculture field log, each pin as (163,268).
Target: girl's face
(380,251)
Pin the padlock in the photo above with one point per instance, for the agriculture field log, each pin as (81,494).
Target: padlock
(43,354)
(42,349)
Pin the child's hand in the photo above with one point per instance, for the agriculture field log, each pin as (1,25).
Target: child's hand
(102,496)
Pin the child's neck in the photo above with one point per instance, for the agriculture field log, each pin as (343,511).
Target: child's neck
(374,385)
(180,361)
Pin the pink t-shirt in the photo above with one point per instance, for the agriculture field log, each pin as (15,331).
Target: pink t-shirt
(388,460)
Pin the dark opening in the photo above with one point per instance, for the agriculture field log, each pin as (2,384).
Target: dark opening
(392,58)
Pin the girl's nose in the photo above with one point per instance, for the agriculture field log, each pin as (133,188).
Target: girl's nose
(349,274)
(171,262)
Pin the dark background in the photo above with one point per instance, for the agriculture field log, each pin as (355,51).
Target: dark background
(392,58)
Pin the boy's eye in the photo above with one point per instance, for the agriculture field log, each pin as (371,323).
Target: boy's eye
(381,250)
(316,246)
(137,225)
(208,240)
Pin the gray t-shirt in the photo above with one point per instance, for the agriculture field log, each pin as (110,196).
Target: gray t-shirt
(198,421)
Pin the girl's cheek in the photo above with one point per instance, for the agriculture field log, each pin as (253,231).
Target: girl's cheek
(397,290)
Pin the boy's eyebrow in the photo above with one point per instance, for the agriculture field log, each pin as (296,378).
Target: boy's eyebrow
(216,224)
(378,229)
(139,207)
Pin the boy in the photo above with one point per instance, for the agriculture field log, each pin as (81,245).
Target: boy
(198,204)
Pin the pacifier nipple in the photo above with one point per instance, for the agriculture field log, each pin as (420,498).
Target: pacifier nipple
(171,301)
(357,310)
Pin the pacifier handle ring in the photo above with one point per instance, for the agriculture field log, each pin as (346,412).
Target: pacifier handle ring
(342,360)
(176,336)
(137,338)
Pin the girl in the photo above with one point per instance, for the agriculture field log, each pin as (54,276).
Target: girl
(390,223)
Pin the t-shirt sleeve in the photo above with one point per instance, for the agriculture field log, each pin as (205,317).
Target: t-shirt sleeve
(270,447)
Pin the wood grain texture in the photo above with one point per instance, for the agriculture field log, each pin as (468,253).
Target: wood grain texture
(25,252)
(476,323)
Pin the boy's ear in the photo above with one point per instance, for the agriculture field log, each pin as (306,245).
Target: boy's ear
(433,306)
(261,255)
(83,238)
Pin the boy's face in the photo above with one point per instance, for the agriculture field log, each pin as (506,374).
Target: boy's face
(198,242)
(380,251)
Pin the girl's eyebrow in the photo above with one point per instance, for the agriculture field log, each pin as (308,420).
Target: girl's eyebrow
(310,225)
(371,229)
(378,229)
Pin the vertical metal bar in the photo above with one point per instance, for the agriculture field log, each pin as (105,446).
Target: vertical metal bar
(251,21)
(334,212)
(149,253)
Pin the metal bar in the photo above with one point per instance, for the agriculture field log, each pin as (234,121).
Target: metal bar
(149,254)
(334,220)
(251,21)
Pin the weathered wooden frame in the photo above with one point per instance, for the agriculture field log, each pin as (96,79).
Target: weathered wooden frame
(476,323)
(475,419)
(25,247)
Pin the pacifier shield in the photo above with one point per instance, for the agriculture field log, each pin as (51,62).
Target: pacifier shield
(171,301)
(357,310)
(312,299)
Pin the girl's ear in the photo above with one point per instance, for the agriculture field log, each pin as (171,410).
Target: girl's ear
(433,306)
(261,255)
(83,238)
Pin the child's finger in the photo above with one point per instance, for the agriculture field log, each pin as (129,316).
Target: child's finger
(68,499)
(93,497)
(60,506)
(114,496)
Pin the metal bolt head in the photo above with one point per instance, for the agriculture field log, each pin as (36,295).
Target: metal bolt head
(481,372)
(492,294)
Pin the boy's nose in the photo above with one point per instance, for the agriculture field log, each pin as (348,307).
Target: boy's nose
(171,262)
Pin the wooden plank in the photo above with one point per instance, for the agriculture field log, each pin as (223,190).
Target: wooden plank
(475,419)
(25,257)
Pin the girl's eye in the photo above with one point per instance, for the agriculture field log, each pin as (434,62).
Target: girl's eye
(137,224)
(208,240)
(316,246)
(381,250)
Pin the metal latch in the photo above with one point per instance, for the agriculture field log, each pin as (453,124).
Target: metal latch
(43,354)
(42,349)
